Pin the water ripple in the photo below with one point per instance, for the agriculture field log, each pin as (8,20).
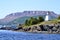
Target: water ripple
(9,35)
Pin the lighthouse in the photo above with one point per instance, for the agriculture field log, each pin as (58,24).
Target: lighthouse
(47,17)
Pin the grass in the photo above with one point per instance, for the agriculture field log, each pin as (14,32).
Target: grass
(55,21)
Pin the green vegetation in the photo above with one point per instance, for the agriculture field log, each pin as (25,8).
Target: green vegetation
(40,19)
(55,21)
(58,17)
(33,21)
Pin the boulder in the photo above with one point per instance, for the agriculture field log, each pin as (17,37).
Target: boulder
(27,29)
(54,29)
(38,28)
(34,28)
(41,26)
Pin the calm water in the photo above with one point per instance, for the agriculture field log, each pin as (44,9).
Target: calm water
(9,35)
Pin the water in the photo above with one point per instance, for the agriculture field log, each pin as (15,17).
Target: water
(10,35)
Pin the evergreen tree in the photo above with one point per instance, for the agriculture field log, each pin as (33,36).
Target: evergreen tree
(58,17)
(33,21)
(26,22)
(40,19)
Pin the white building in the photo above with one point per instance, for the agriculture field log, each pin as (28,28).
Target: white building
(47,18)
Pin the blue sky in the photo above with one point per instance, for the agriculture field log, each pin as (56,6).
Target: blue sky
(12,6)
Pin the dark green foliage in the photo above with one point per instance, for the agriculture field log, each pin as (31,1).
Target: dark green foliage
(58,17)
(40,19)
(26,22)
(33,21)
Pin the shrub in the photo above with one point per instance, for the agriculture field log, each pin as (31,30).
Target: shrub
(58,17)
(32,21)
(40,19)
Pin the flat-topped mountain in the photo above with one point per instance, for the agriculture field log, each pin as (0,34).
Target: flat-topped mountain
(21,16)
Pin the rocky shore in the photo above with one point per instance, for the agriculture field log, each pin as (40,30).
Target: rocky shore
(47,28)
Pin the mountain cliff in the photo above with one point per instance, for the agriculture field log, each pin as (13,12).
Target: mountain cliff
(26,14)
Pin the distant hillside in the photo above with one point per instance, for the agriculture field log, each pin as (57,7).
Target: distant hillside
(20,20)
(19,17)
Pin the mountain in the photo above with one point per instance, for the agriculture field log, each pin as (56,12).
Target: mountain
(19,17)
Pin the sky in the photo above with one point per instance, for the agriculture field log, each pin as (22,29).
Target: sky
(12,6)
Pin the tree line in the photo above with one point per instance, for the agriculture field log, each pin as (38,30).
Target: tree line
(32,20)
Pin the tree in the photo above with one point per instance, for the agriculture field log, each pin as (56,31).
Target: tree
(58,17)
(35,21)
(32,21)
(26,22)
(40,19)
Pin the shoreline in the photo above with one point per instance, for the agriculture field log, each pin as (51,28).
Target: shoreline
(41,32)
(43,29)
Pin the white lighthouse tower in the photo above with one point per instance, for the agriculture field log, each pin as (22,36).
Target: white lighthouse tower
(47,17)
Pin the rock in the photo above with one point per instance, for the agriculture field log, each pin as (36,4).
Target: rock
(27,29)
(54,29)
(57,25)
(58,30)
(38,28)
(41,26)
(20,28)
(34,28)
(35,31)
(6,28)
(50,26)
(46,27)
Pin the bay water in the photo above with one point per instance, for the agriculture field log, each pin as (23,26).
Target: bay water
(12,35)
